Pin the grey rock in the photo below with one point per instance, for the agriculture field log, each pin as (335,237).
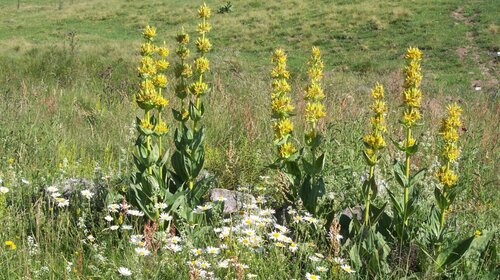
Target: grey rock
(234,200)
(71,189)
(355,211)
(73,186)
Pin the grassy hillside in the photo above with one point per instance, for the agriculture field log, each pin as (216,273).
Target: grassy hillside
(67,81)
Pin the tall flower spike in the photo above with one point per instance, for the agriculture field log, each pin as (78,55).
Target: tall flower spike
(450,153)
(314,95)
(374,141)
(412,98)
(201,63)
(281,106)
(183,71)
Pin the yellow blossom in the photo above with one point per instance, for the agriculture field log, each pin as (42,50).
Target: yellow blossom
(204,11)
(147,49)
(160,80)
(161,64)
(149,32)
(282,128)
(378,91)
(412,97)
(203,45)
(379,107)
(198,88)
(279,56)
(279,71)
(281,106)
(147,67)
(286,150)
(182,38)
(375,141)
(161,128)
(10,244)
(182,52)
(204,27)
(159,101)
(450,152)
(413,53)
(314,111)
(183,70)
(281,86)
(410,117)
(201,64)
(413,74)
(447,177)
(314,92)
(162,51)
(145,124)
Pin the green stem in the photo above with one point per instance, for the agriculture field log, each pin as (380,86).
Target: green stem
(407,174)
(442,218)
(148,142)
(368,197)
(160,142)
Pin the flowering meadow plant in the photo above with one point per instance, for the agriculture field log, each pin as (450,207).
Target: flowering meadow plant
(369,198)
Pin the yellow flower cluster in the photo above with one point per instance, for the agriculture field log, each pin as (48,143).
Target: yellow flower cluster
(10,244)
(314,94)
(412,95)
(450,152)
(151,70)
(281,105)
(374,141)
(203,46)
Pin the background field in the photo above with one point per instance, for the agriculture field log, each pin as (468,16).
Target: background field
(71,96)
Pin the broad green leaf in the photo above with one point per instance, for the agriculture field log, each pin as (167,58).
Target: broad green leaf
(452,254)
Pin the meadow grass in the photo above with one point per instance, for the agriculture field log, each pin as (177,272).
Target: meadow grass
(75,105)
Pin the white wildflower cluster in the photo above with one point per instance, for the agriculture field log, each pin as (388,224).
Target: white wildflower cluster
(174,244)
(56,196)
(32,246)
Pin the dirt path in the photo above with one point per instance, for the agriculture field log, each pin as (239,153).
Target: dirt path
(472,51)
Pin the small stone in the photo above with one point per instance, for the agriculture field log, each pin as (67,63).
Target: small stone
(233,200)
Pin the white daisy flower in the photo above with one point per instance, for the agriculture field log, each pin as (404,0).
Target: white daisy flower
(212,250)
(161,205)
(175,248)
(4,190)
(165,217)
(338,260)
(141,251)
(124,271)
(113,208)
(322,269)
(197,251)
(310,276)
(203,264)
(55,195)
(314,258)
(62,202)
(87,194)
(347,268)
(136,213)
(223,264)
